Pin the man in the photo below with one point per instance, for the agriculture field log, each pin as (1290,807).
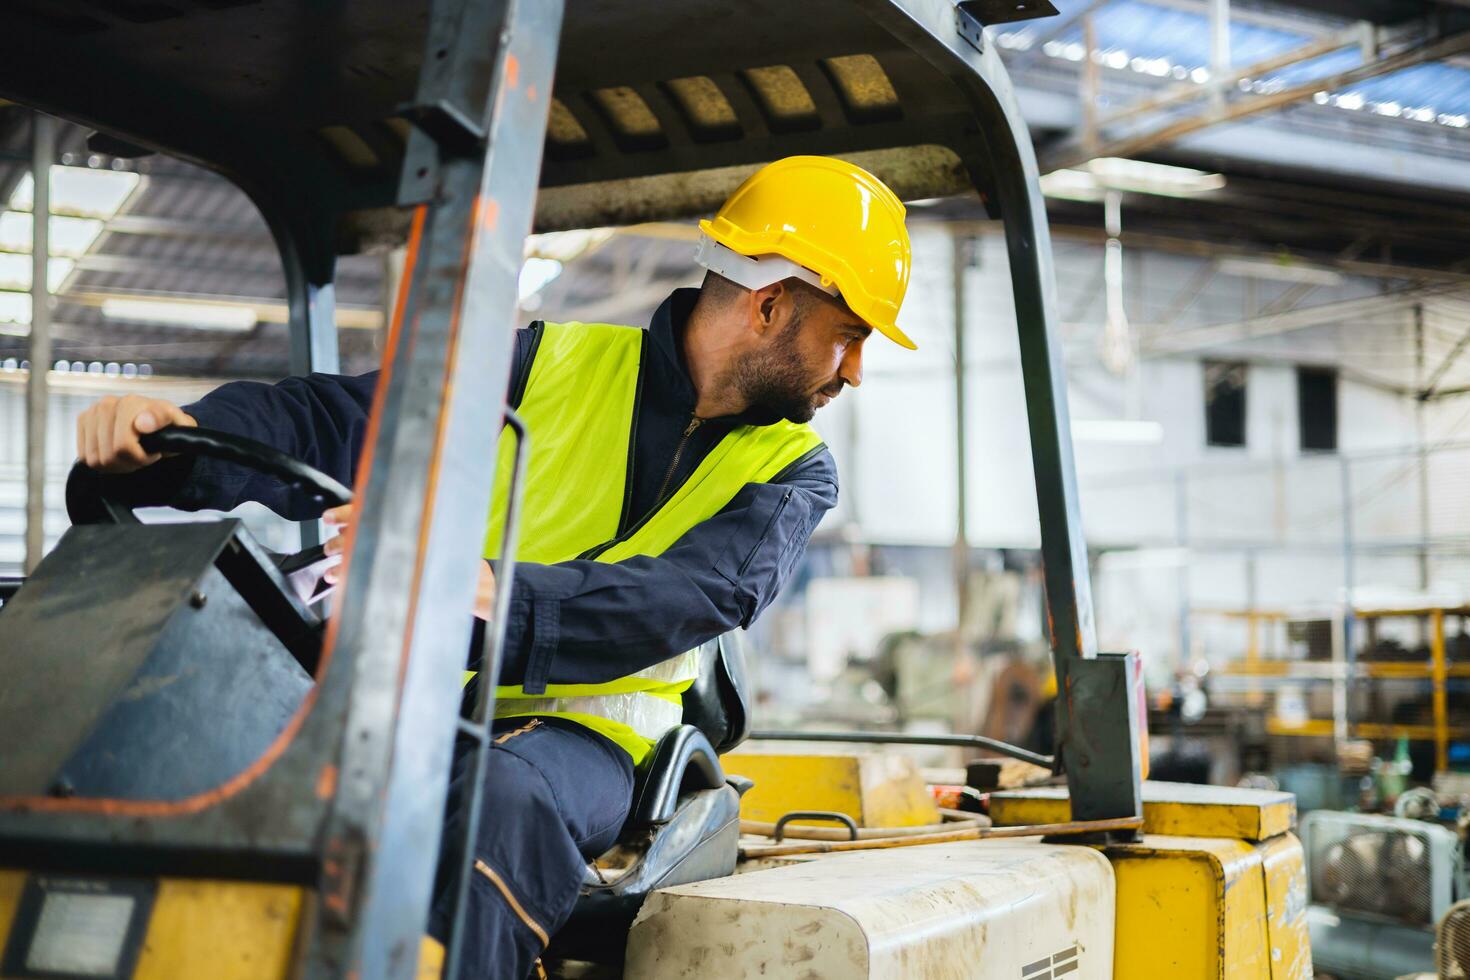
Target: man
(672,486)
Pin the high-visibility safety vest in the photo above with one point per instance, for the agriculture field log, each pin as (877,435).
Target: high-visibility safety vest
(579,405)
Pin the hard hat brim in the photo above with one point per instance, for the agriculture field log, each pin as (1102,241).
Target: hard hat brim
(858,302)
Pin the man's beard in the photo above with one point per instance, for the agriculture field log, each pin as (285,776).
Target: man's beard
(772,379)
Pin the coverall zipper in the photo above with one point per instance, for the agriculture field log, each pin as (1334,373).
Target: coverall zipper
(694,423)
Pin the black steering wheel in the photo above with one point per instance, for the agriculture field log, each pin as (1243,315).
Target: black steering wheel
(184,441)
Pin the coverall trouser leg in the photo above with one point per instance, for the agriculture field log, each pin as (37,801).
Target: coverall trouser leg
(556,795)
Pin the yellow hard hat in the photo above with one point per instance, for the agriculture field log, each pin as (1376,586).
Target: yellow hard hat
(830,217)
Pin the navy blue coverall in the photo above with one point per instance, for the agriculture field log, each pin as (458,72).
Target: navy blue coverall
(558,793)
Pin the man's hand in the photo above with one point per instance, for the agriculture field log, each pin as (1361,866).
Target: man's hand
(108,432)
(341,517)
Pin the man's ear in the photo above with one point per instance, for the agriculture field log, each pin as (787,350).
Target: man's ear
(766,306)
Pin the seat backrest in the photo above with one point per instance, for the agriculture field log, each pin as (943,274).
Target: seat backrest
(718,702)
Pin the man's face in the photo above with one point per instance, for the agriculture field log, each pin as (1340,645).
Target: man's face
(813,348)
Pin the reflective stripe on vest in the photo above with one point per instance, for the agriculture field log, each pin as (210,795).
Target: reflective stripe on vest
(648,715)
(579,406)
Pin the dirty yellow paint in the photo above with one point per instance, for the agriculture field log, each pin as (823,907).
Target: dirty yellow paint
(875,789)
(11,883)
(1190,909)
(225,930)
(1286,906)
(1176,809)
(431,959)
(977,910)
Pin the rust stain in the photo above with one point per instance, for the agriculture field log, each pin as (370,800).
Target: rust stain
(489,213)
(512,71)
(326,782)
(530,93)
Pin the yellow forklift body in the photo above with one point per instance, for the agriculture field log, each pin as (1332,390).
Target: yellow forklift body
(1177,809)
(875,789)
(1216,888)
(223,930)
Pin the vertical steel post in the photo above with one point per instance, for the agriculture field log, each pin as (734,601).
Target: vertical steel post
(1349,611)
(1091,82)
(43,151)
(960,249)
(1219,50)
(1181,535)
(1422,450)
(1100,720)
(313,347)
(473,164)
(1440,700)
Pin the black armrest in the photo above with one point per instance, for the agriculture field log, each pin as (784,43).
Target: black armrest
(683,760)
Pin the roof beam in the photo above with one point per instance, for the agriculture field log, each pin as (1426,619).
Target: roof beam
(265,310)
(1187,92)
(231,234)
(1205,249)
(1073,151)
(1277,19)
(1255,328)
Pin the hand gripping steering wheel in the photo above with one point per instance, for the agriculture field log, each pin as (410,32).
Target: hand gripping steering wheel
(184,441)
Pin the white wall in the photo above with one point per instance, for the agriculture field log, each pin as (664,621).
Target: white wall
(894,438)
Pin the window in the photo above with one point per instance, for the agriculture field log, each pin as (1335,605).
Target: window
(1224,403)
(1316,408)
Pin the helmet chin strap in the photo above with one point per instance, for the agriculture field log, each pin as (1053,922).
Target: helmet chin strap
(754,273)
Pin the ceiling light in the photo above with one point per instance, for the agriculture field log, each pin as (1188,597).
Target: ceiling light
(1135,431)
(536,275)
(564,246)
(1071,185)
(1119,174)
(1283,269)
(206,316)
(1103,174)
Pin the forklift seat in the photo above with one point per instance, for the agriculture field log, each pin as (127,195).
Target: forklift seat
(684,825)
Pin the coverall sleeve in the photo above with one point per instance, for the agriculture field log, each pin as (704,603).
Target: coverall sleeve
(589,622)
(320,419)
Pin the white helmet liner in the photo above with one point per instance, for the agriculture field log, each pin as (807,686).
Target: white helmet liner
(754,272)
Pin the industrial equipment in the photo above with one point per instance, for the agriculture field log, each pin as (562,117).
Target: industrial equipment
(1379,887)
(442,124)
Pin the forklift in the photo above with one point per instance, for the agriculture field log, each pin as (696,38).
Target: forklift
(203,776)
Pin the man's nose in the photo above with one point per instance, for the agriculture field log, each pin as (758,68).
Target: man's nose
(851,368)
